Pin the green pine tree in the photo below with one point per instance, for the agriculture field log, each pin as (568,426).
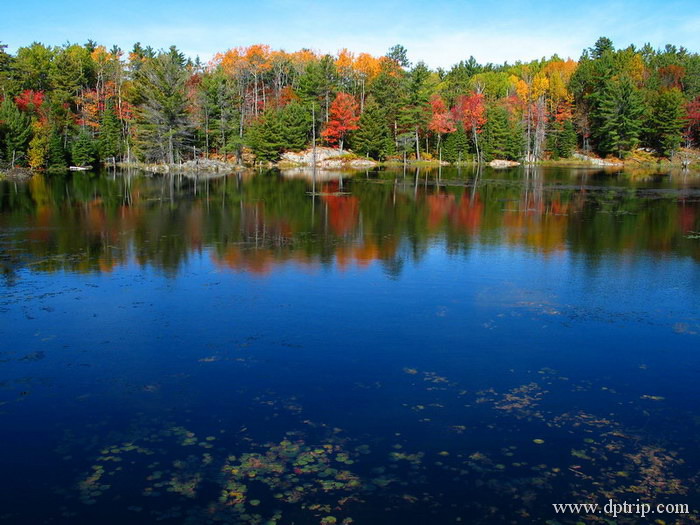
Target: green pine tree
(415,114)
(667,121)
(318,83)
(372,139)
(456,145)
(497,134)
(57,153)
(566,140)
(617,115)
(266,136)
(83,150)
(15,130)
(515,147)
(295,123)
(502,139)
(162,125)
(109,144)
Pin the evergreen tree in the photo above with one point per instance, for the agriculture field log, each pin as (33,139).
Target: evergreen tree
(56,152)
(567,140)
(399,54)
(83,150)
(219,113)
(497,134)
(295,123)
(456,145)
(163,127)
(15,130)
(415,112)
(388,89)
(279,130)
(516,141)
(562,139)
(318,83)
(667,121)
(109,142)
(266,136)
(372,139)
(617,114)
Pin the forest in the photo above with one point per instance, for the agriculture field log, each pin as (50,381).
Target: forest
(81,105)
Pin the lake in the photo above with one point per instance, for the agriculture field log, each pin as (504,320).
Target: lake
(395,346)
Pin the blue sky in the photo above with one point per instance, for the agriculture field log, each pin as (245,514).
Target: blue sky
(438,32)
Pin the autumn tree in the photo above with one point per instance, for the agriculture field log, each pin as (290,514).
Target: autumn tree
(470,110)
(692,123)
(441,121)
(344,116)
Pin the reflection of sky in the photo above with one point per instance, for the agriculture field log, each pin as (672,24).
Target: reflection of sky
(186,344)
(489,294)
(440,33)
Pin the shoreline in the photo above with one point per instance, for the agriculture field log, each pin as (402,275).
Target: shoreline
(359,164)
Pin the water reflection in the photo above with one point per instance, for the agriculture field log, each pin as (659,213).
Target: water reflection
(255,222)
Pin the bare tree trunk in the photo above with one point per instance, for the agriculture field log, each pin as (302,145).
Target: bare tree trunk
(417,145)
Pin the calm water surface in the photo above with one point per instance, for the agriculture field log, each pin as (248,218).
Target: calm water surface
(404,348)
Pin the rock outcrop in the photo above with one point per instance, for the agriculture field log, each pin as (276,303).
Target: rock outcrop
(500,163)
(596,161)
(327,158)
(195,165)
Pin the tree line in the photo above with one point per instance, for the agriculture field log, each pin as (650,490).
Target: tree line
(84,104)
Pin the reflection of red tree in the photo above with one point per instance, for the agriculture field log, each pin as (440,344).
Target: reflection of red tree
(95,217)
(364,253)
(343,210)
(686,218)
(194,226)
(260,261)
(558,208)
(468,215)
(438,208)
(42,229)
(255,261)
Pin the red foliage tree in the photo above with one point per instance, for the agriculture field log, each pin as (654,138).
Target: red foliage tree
(343,117)
(30,101)
(441,121)
(692,122)
(470,110)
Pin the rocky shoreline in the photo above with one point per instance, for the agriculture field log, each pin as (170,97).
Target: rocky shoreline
(331,159)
